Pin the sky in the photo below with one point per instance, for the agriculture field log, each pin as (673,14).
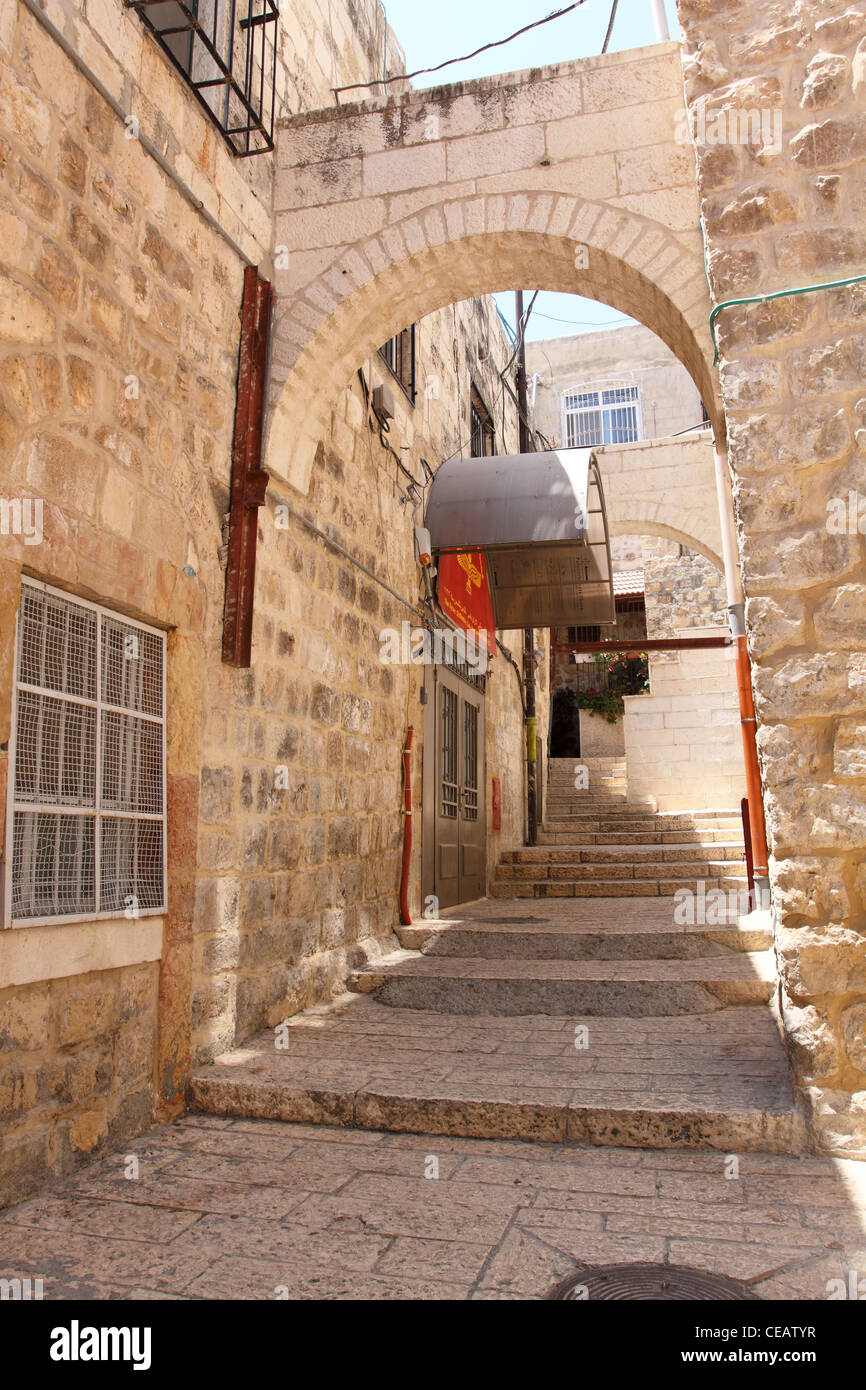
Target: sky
(432,31)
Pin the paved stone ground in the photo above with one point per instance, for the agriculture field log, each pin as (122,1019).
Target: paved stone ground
(236,1209)
(240,1204)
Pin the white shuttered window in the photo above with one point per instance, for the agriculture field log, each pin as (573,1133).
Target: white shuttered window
(86,811)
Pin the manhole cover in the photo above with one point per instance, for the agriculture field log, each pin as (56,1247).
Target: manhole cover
(650,1282)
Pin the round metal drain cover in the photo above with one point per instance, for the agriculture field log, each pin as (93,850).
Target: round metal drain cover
(649,1282)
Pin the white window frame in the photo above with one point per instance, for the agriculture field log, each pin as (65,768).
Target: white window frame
(96,813)
(599,408)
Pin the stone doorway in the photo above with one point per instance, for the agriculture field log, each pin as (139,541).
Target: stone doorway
(454,802)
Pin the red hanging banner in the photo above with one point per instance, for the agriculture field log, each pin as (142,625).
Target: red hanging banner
(464,595)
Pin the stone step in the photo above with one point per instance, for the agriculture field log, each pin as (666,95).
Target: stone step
(609,887)
(632,988)
(641,811)
(585,772)
(648,837)
(592,867)
(611,798)
(634,853)
(601,821)
(563,767)
(579,799)
(630,825)
(542,940)
(715,1081)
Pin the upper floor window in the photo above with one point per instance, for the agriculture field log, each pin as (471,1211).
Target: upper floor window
(399,354)
(482,432)
(601,415)
(226,50)
(85,829)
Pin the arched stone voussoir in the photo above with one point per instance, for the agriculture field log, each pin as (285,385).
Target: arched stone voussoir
(473,247)
(684,529)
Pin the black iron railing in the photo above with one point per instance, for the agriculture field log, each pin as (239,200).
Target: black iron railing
(226,51)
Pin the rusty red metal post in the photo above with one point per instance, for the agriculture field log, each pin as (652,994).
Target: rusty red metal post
(249,479)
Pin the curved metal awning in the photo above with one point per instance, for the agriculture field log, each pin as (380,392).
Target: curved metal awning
(540,521)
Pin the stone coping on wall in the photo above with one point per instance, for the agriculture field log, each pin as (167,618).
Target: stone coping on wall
(486,86)
(31,955)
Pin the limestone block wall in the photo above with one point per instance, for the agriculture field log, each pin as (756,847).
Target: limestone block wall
(76,1070)
(118,355)
(664,488)
(669,399)
(598,738)
(781,211)
(301,837)
(683,743)
(682,589)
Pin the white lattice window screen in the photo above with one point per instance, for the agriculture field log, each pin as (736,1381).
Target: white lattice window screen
(86,814)
(607,415)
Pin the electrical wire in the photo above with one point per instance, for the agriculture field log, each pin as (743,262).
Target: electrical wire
(329,540)
(497,43)
(610,26)
(383,427)
(510,659)
(521,335)
(587,323)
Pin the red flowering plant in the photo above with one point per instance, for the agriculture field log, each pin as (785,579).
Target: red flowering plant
(621,673)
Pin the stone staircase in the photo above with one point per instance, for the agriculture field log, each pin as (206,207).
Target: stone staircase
(594,1019)
(595,843)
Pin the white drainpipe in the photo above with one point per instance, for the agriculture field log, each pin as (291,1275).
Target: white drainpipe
(660,20)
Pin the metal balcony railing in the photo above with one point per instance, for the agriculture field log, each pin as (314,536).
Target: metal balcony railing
(226,51)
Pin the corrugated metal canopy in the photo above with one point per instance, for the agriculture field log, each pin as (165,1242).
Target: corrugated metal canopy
(540,521)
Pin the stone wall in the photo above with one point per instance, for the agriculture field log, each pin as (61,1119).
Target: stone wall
(632,355)
(683,590)
(119,322)
(76,1070)
(298,883)
(599,738)
(783,207)
(683,744)
(664,488)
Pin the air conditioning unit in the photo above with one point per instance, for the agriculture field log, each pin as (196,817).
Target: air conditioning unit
(383,403)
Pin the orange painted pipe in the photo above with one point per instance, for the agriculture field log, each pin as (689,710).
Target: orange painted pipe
(748,724)
(405,914)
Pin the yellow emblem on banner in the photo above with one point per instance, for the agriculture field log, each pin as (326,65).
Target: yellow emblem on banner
(474,575)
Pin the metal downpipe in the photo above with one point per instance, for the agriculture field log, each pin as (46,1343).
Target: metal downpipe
(748,723)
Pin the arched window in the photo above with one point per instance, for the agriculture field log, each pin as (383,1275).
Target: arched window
(595,415)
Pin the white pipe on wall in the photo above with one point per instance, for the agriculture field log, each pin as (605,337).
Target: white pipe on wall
(660,20)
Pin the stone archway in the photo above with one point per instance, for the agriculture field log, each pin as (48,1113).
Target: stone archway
(491,169)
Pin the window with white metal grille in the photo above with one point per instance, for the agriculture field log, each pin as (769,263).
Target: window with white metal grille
(86,806)
(605,416)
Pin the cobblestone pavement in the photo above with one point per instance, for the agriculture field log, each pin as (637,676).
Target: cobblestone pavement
(247,1209)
